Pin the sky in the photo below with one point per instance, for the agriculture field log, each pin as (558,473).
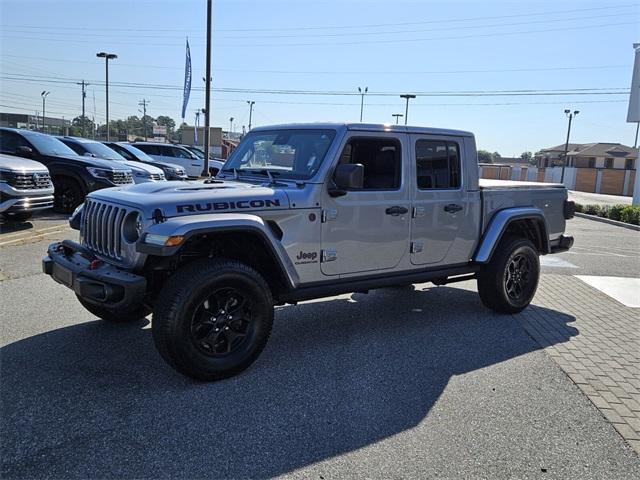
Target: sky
(468,62)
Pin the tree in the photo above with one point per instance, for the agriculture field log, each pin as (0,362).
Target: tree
(76,127)
(526,156)
(495,157)
(484,157)
(177,135)
(168,122)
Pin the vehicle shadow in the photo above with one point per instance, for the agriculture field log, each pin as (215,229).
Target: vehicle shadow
(95,400)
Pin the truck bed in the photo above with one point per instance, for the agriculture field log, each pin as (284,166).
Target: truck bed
(486,183)
(548,197)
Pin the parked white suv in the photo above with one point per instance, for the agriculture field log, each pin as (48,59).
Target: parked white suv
(166,152)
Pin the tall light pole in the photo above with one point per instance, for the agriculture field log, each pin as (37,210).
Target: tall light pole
(207,91)
(230,126)
(570,115)
(397,116)
(362,94)
(407,96)
(107,57)
(44,97)
(251,104)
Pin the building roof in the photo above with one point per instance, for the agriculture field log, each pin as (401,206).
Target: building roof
(605,150)
(597,149)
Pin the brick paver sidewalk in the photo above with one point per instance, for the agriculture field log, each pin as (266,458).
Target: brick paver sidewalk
(600,350)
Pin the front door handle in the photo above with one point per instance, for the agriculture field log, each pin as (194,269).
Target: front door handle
(452,208)
(396,210)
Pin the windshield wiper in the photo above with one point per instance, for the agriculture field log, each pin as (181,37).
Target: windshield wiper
(264,171)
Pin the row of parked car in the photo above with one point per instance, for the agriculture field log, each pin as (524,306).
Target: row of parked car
(39,171)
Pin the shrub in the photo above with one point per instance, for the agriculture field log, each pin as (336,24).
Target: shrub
(579,208)
(592,209)
(630,214)
(615,212)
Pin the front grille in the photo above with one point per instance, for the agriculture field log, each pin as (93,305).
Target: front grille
(157,176)
(101,228)
(28,181)
(121,178)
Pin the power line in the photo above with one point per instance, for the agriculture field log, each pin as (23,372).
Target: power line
(328,27)
(346,43)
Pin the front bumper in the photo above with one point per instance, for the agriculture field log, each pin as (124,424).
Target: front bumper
(95,281)
(13,200)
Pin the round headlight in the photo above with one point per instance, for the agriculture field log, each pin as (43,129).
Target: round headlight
(132,227)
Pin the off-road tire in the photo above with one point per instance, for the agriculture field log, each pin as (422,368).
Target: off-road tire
(116,316)
(495,291)
(67,195)
(180,304)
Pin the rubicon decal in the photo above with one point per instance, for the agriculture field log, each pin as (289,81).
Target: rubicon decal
(241,204)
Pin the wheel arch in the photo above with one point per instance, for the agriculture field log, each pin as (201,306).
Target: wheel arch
(526,222)
(242,237)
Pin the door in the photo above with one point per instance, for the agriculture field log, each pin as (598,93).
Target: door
(441,207)
(191,163)
(367,229)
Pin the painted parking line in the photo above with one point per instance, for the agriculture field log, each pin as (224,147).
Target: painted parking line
(622,289)
(557,262)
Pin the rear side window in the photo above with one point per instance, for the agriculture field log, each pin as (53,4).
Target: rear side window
(9,142)
(381,161)
(437,164)
(149,149)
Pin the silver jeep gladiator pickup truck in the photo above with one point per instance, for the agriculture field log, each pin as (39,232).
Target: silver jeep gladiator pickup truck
(299,212)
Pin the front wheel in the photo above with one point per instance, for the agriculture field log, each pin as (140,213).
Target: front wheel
(67,194)
(508,283)
(213,319)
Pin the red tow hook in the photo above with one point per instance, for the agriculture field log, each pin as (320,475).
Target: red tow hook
(94,264)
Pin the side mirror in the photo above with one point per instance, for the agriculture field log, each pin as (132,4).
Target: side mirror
(25,151)
(347,176)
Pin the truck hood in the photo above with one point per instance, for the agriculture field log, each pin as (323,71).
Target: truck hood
(194,198)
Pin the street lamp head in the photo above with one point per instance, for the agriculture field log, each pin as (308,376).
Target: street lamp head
(575,112)
(108,56)
(359,90)
(567,111)
(366,89)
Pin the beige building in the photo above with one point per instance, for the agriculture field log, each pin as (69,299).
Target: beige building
(590,155)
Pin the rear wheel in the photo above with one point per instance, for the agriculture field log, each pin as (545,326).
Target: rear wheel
(509,282)
(116,315)
(213,319)
(67,194)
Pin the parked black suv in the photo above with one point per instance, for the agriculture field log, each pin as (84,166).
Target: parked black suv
(73,175)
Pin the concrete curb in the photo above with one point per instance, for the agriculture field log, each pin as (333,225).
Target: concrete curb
(609,221)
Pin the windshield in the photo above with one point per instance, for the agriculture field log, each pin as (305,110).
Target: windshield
(137,153)
(102,151)
(295,154)
(196,151)
(47,145)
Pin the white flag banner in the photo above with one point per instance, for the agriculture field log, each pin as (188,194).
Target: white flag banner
(633,115)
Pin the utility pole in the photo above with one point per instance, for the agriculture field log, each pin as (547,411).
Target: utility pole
(207,90)
(397,116)
(251,104)
(230,126)
(570,115)
(44,97)
(407,96)
(362,94)
(84,95)
(143,103)
(107,57)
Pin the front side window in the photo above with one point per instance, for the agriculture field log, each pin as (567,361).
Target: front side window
(437,164)
(180,153)
(381,160)
(295,154)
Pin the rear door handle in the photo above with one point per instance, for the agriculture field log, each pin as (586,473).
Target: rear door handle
(452,208)
(396,210)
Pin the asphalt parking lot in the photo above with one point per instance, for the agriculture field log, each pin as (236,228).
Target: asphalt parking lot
(416,382)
